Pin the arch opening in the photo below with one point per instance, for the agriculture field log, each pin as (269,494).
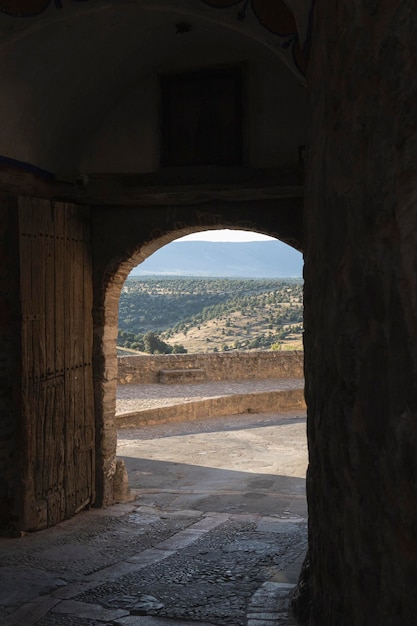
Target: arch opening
(216,465)
(224,275)
(114,283)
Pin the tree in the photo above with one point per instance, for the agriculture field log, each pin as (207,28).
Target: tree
(153,344)
(178,348)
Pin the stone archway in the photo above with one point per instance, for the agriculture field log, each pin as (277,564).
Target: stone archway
(60,122)
(136,239)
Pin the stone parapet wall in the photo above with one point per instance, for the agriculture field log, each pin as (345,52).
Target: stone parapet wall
(213,367)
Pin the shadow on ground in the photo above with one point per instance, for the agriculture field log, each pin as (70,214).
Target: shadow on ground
(180,485)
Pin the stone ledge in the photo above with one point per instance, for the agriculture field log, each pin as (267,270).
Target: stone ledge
(263,402)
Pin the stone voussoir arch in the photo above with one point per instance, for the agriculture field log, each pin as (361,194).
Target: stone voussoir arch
(109,283)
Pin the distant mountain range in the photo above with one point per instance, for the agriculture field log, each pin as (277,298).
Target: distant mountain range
(253,259)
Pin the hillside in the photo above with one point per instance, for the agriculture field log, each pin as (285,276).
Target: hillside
(210,314)
(253,259)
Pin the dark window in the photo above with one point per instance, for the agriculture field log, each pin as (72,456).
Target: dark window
(202,118)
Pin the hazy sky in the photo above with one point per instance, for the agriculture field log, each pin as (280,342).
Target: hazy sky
(225,235)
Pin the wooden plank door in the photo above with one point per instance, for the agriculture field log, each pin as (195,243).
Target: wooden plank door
(57,466)
(202,117)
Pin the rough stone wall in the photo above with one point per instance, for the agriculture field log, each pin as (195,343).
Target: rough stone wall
(216,367)
(361,314)
(8,357)
(105,313)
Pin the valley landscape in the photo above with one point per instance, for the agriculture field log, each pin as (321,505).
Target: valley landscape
(178,314)
(211,296)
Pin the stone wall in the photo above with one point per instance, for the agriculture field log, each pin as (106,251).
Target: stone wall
(212,367)
(8,356)
(361,315)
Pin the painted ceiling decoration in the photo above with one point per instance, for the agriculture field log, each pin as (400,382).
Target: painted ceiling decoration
(23,8)
(276,17)
(29,8)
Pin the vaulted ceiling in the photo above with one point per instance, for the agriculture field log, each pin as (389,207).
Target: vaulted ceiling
(65,63)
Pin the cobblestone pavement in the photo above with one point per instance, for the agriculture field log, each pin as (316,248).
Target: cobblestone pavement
(155,562)
(140,566)
(133,397)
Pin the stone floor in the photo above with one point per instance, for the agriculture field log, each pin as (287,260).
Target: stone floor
(139,566)
(217,542)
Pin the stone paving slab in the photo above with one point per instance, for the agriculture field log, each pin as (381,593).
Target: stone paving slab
(182,540)
(113,572)
(30,613)
(151,556)
(138,620)
(276,526)
(89,611)
(270,605)
(73,589)
(33,582)
(211,521)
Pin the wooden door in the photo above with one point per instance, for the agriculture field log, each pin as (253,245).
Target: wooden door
(202,118)
(57,433)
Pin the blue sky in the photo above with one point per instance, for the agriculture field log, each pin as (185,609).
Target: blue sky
(167,257)
(225,235)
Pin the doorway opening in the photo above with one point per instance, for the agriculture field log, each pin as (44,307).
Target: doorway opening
(192,455)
